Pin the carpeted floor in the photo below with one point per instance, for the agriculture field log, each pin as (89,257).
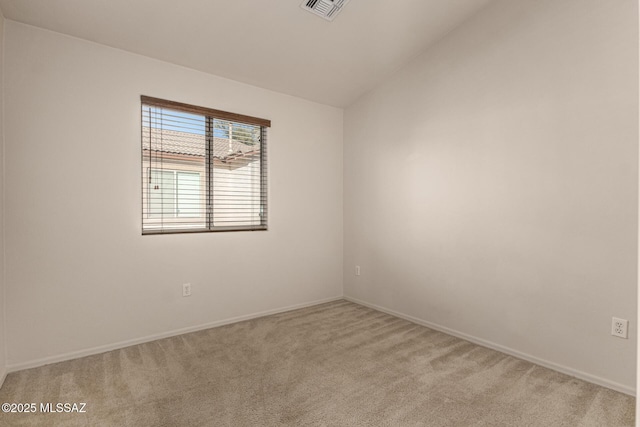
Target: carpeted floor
(335,364)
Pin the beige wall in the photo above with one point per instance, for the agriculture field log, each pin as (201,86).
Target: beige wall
(80,277)
(638,263)
(3,351)
(491,186)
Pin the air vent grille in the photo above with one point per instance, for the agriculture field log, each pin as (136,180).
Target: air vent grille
(327,9)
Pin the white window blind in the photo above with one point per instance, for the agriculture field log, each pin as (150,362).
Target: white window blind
(202,169)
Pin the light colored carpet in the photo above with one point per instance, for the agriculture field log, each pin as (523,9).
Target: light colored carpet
(335,364)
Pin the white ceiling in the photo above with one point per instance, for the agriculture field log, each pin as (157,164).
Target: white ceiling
(271,44)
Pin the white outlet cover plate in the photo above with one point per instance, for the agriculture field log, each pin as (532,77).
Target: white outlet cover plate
(619,327)
(186,289)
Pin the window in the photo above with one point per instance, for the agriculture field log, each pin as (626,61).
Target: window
(174,194)
(202,169)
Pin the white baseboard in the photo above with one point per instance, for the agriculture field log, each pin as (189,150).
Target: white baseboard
(515,353)
(3,375)
(122,344)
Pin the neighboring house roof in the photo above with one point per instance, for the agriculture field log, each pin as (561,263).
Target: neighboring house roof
(192,144)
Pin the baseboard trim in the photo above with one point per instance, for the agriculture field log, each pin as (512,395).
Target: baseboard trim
(3,376)
(127,343)
(515,353)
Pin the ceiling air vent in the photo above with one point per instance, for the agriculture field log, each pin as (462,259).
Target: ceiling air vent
(328,9)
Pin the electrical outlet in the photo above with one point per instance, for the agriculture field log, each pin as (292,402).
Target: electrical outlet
(619,327)
(357,270)
(186,290)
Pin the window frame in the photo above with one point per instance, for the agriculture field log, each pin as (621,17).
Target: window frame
(209,115)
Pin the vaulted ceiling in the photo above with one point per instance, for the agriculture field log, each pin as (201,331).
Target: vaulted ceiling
(271,44)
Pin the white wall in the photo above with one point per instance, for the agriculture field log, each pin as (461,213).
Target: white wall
(79,273)
(638,275)
(3,354)
(491,186)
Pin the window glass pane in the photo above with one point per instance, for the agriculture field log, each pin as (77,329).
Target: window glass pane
(221,128)
(236,193)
